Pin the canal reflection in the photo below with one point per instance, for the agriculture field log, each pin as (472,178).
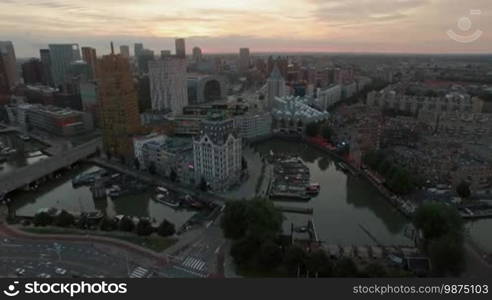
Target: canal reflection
(60,193)
(27,152)
(345,203)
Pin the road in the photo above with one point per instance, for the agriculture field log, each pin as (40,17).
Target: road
(204,255)
(81,259)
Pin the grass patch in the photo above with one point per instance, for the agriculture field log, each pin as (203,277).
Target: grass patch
(153,242)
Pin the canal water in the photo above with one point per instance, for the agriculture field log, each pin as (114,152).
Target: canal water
(344,205)
(60,193)
(28,152)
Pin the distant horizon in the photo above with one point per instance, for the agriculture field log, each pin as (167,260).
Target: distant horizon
(220,27)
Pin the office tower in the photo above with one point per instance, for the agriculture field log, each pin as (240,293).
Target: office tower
(62,55)
(32,71)
(244,60)
(180,48)
(143,60)
(168,85)
(275,87)
(138,48)
(118,105)
(197,54)
(4,83)
(90,57)
(125,51)
(46,63)
(217,153)
(165,53)
(9,69)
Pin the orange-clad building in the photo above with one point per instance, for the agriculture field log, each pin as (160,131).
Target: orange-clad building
(118,104)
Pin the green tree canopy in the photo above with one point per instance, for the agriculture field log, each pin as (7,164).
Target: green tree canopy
(463,190)
(42,219)
(436,220)
(144,227)
(126,224)
(64,219)
(166,228)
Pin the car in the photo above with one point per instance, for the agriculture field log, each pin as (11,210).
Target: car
(60,271)
(20,271)
(44,275)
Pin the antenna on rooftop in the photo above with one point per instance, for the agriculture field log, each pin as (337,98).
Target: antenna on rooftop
(112,48)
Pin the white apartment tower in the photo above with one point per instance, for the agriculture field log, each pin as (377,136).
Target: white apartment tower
(168,84)
(217,153)
(275,87)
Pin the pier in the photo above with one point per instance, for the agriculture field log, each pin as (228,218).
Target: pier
(296,210)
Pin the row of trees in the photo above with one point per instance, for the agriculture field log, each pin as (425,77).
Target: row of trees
(143,227)
(399,180)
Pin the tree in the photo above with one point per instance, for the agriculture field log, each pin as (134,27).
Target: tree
(318,264)
(375,270)
(203,185)
(64,219)
(443,229)
(42,219)
(136,163)
(346,267)
(108,224)
(463,190)
(270,255)
(234,220)
(294,259)
(256,217)
(152,169)
(166,228)
(244,164)
(126,224)
(436,220)
(447,255)
(244,250)
(144,227)
(327,132)
(173,175)
(312,129)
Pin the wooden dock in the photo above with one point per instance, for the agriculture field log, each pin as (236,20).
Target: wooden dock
(297,210)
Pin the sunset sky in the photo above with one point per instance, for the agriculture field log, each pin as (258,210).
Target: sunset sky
(403,26)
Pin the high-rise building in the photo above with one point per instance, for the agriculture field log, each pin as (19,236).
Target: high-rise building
(125,51)
(165,53)
(197,54)
(90,57)
(168,85)
(62,55)
(143,60)
(180,48)
(44,54)
(137,50)
(4,82)
(217,152)
(118,105)
(9,69)
(32,71)
(244,60)
(275,87)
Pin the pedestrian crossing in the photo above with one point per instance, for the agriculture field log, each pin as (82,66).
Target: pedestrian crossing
(139,272)
(194,263)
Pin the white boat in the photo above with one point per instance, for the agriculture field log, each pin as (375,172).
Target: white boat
(161,198)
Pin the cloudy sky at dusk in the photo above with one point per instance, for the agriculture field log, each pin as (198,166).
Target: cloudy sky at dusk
(403,26)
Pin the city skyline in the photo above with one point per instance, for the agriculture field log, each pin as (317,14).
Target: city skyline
(382,26)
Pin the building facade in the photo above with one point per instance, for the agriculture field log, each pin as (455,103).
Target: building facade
(217,153)
(46,63)
(168,85)
(244,60)
(9,68)
(180,48)
(118,104)
(61,57)
(253,126)
(275,87)
(125,51)
(90,57)
(32,71)
(329,96)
